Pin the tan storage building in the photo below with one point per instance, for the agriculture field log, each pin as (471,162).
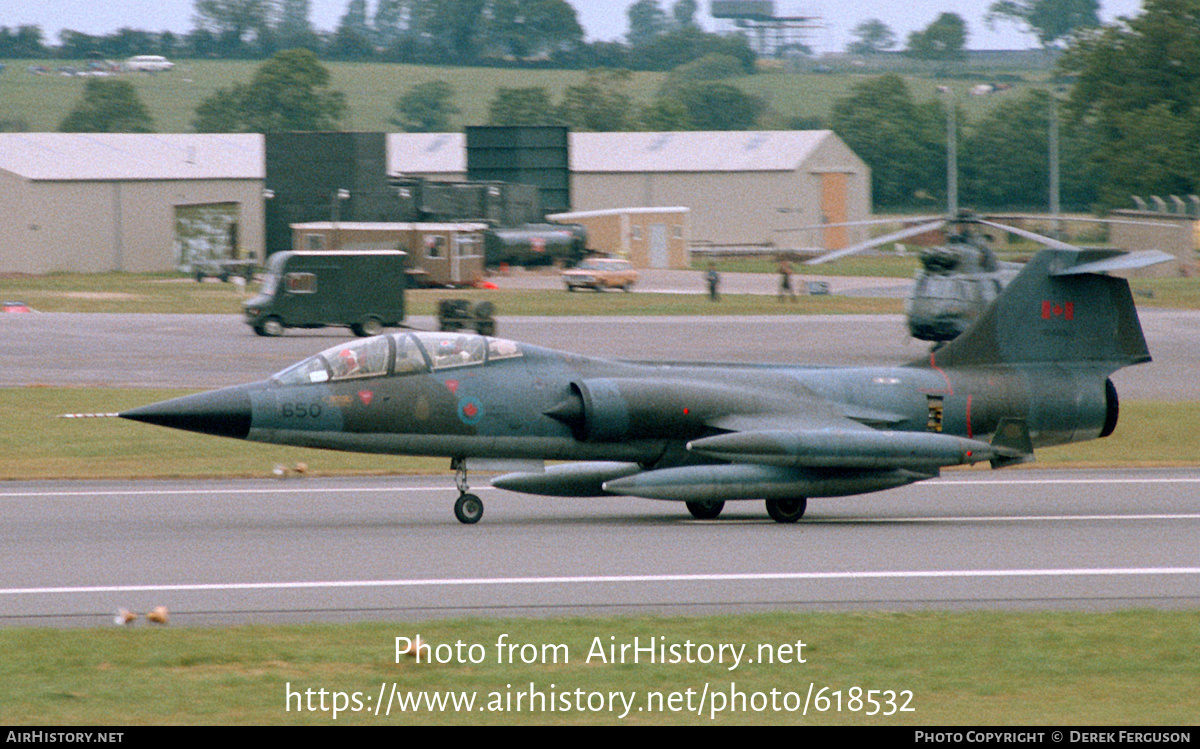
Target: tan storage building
(130,202)
(744,189)
(647,237)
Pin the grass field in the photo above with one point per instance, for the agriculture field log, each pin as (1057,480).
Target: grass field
(154,294)
(371,89)
(980,669)
(169,293)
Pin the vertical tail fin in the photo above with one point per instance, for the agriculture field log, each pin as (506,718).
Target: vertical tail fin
(1060,308)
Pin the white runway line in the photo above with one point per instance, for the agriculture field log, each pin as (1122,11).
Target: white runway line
(615,579)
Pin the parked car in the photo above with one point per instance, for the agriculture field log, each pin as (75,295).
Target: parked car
(600,274)
(149,63)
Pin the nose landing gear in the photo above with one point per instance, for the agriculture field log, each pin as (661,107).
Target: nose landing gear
(469,507)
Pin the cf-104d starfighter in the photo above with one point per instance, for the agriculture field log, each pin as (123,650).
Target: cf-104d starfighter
(1032,371)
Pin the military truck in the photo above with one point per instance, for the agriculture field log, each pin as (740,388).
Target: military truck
(363,290)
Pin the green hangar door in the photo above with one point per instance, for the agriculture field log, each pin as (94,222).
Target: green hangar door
(205,234)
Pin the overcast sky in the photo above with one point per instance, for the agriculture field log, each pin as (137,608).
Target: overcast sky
(601,19)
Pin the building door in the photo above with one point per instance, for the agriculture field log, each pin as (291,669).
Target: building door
(834,209)
(205,234)
(659,255)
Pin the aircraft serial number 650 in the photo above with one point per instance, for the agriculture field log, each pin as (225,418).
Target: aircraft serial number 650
(300,410)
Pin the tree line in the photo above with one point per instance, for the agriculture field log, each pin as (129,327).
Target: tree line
(1125,98)
(435,32)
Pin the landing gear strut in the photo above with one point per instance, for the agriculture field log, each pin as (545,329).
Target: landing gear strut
(786,510)
(469,507)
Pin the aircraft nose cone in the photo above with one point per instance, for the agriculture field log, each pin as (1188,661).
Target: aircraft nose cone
(225,413)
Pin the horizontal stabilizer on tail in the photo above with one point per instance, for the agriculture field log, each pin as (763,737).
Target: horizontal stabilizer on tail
(1107,261)
(1061,310)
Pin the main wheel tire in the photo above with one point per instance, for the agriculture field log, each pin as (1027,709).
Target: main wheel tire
(271,327)
(468,509)
(787,510)
(705,510)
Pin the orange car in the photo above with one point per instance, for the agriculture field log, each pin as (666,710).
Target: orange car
(600,274)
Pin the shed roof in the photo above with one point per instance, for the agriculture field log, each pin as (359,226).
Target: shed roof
(685,151)
(132,156)
(694,151)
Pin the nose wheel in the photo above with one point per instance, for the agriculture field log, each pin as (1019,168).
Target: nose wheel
(468,508)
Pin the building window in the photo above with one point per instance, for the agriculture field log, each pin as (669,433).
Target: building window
(435,246)
(300,283)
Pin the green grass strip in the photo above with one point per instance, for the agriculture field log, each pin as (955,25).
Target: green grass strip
(976,668)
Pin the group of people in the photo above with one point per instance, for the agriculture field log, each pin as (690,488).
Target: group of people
(786,291)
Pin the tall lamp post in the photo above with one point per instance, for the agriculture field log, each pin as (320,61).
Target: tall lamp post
(951,152)
(335,214)
(1055,208)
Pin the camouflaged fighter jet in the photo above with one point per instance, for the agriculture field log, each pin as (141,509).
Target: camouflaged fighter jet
(1033,371)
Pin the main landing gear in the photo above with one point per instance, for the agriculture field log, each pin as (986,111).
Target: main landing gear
(787,510)
(705,509)
(469,507)
(781,510)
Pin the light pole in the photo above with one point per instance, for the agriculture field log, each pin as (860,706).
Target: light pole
(951,152)
(1055,208)
(335,213)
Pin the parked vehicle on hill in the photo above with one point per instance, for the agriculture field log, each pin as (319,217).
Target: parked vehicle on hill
(149,63)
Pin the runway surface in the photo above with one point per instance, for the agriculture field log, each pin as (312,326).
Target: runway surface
(218,552)
(222,552)
(207,351)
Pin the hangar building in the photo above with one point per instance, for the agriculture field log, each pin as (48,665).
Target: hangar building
(128,202)
(151,202)
(742,188)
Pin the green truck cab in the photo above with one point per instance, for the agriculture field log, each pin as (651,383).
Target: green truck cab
(363,290)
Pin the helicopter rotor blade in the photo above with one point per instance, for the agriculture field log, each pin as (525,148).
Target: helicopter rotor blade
(869,222)
(912,231)
(1088,219)
(1041,239)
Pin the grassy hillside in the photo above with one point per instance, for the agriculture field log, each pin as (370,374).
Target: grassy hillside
(371,89)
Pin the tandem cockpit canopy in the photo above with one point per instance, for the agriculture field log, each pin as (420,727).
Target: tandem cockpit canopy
(398,354)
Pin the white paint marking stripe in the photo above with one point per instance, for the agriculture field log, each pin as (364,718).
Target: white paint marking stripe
(214,492)
(393,489)
(610,579)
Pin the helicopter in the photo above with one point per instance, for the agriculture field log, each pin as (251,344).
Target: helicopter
(959,279)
